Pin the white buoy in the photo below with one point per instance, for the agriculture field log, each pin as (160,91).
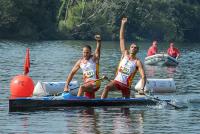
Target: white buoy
(158,85)
(52,88)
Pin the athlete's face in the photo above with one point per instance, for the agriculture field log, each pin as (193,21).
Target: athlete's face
(133,49)
(172,45)
(154,43)
(86,52)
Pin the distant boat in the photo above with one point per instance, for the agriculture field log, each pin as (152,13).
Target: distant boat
(161,59)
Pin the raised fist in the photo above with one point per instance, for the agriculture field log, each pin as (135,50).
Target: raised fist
(124,20)
(97,37)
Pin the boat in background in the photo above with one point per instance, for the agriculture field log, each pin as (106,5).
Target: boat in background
(161,59)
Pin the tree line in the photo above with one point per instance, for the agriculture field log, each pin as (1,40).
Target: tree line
(163,20)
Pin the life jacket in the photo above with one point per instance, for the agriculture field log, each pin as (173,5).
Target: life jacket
(152,50)
(173,52)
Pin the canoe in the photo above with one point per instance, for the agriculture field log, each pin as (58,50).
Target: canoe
(161,59)
(51,102)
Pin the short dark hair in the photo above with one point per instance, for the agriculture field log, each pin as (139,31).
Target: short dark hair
(88,46)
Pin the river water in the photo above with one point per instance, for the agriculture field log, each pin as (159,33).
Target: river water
(53,60)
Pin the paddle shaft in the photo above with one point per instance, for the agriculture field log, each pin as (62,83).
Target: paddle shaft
(157,99)
(100,79)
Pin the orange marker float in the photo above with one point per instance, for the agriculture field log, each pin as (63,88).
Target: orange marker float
(21,86)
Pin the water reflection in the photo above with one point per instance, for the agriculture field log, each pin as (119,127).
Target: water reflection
(128,122)
(150,70)
(87,122)
(160,72)
(171,71)
(108,120)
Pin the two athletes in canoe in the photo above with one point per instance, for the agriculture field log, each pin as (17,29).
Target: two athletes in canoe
(128,66)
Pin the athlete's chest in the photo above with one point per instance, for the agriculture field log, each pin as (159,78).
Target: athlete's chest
(87,65)
(127,66)
(128,63)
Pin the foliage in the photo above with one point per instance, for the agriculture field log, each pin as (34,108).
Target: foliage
(162,20)
(32,19)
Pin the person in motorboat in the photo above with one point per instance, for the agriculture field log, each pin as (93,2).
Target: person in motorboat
(153,49)
(172,51)
(127,68)
(89,63)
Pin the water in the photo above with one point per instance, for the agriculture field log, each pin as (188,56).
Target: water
(53,60)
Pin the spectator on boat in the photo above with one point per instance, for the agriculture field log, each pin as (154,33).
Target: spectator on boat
(127,68)
(172,51)
(153,49)
(90,66)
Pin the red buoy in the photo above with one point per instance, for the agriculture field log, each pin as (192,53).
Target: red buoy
(21,86)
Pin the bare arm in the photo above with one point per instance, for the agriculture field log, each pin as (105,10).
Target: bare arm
(168,51)
(122,40)
(142,73)
(98,48)
(178,54)
(71,75)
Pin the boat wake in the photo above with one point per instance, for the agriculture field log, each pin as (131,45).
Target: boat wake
(172,104)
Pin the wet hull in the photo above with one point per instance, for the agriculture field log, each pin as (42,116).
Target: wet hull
(44,103)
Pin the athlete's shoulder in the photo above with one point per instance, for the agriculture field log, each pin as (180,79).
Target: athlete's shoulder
(126,53)
(79,61)
(138,61)
(94,58)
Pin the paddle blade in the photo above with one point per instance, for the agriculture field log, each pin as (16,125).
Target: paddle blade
(27,62)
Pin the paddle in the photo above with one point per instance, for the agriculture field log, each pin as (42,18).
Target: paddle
(149,96)
(71,90)
(157,99)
